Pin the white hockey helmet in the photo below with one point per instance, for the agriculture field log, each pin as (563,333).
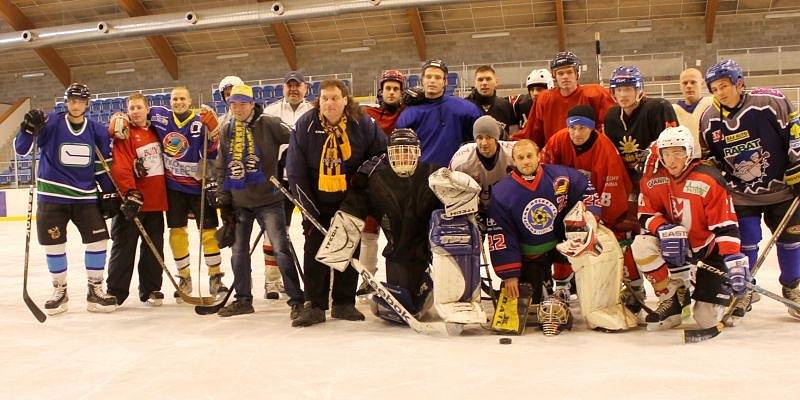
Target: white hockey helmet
(678,136)
(541,77)
(229,81)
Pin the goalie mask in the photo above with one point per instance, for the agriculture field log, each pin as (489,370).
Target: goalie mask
(403,152)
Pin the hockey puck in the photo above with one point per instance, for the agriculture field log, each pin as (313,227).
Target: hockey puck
(505,340)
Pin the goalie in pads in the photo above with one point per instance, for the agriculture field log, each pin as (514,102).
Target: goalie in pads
(394,189)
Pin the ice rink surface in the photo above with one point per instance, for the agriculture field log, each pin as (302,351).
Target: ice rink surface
(169,352)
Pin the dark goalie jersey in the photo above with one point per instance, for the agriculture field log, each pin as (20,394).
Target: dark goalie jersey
(402,207)
(753,145)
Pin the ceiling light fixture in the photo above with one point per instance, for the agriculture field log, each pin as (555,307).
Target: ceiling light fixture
(230,56)
(120,71)
(782,15)
(633,30)
(490,35)
(354,49)
(33,75)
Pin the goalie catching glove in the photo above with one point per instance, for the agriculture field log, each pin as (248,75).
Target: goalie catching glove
(580,227)
(456,190)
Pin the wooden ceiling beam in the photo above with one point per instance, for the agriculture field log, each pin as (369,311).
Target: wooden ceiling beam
(17,20)
(159,43)
(711,19)
(285,41)
(562,30)
(415,21)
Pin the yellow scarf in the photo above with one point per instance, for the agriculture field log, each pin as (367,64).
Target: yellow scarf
(335,152)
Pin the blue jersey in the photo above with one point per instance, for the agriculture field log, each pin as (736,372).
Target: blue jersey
(69,170)
(753,145)
(182,143)
(442,126)
(527,218)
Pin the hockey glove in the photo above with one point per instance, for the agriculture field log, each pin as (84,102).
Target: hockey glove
(108,204)
(139,170)
(118,125)
(360,178)
(414,96)
(33,122)
(209,119)
(738,272)
(792,178)
(674,244)
(132,204)
(216,198)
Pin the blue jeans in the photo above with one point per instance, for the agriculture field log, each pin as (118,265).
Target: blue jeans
(272,219)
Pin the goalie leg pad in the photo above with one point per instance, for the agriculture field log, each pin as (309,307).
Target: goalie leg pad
(707,314)
(369,250)
(341,242)
(599,281)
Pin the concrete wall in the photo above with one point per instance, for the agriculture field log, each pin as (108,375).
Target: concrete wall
(200,72)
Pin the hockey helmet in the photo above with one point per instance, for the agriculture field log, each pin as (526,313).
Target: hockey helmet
(435,63)
(723,69)
(403,151)
(540,77)
(392,75)
(677,136)
(626,76)
(229,81)
(77,90)
(565,59)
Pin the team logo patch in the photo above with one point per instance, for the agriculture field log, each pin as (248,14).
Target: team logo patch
(561,185)
(539,216)
(74,154)
(175,145)
(794,229)
(737,137)
(54,232)
(696,187)
(716,136)
(160,119)
(661,180)
(629,149)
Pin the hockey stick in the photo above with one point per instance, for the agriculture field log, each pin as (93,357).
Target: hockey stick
(294,258)
(752,286)
(420,327)
(37,312)
(699,335)
(598,57)
(185,297)
(202,220)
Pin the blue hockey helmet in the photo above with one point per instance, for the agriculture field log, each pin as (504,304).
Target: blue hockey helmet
(723,69)
(626,76)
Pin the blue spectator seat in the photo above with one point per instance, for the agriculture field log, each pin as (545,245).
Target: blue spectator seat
(278,92)
(413,80)
(217,96)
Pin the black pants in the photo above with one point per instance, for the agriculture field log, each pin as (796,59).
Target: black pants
(537,271)
(318,275)
(123,253)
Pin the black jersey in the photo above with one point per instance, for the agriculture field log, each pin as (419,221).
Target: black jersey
(498,108)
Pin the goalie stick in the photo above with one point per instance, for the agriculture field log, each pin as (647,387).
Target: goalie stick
(699,335)
(752,286)
(185,297)
(37,312)
(436,328)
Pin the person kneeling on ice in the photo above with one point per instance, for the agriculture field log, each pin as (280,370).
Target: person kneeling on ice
(401,192)
(688,217)
(530,208)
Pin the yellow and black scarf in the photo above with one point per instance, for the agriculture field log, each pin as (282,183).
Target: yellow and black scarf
(244,161)
(335,152)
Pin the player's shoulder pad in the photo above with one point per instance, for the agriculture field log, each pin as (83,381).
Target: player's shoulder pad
(463,152)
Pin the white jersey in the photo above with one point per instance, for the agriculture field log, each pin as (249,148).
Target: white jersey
(466,160)
(283,110)
(691,120)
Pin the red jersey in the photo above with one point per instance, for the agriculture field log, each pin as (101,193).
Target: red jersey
(697,200)
(383,118)
(549,114)
(600,162)
(143,143)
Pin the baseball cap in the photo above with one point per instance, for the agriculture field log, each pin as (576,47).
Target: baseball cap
(294,76)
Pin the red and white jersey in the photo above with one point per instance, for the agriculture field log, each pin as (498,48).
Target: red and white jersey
(598,160)
(549,114)
(697,200)
(142,143)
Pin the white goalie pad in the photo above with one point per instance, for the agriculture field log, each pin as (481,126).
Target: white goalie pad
(599,280)
(456,190)
(342,240)
(456,269)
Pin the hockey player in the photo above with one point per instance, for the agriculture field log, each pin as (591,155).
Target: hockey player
(441,122)
(547,116)
(138,171)
(592,153)
(390,85)
(487,160)
(691,107)
(537,82)
(249,146)
(528,208)
(67,191)
(182,133)
(484,95)
(326,149)
(754,138)
(688,216)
